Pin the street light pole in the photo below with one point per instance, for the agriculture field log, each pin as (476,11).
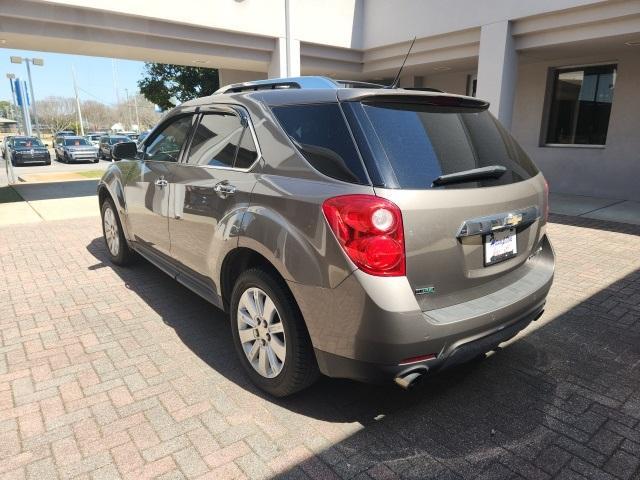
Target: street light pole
(126,91)
(33,97)
(75,88)
(39,62)
(135,103)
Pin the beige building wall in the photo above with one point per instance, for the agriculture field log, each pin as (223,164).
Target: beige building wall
(393,21)
(610,172)
(228,76)
(453,82)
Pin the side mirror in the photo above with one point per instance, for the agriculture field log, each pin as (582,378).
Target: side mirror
(46,145)
(124,150)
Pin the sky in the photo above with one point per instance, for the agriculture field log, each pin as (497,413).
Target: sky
(94,75)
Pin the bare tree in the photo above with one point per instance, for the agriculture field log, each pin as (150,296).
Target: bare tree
(56,113)
(97,116)
(146,113)
(59,113)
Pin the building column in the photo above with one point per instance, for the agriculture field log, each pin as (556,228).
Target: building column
(285,59)
(498,69)
(279,66)
(411,81)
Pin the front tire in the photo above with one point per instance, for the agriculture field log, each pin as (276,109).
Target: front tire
(269,334)
(117,247)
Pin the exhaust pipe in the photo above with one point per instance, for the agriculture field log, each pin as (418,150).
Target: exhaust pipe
(411,378)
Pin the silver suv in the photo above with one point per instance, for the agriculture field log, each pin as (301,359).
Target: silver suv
(369,233)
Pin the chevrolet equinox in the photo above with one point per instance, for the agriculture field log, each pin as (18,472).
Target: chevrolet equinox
(377,234)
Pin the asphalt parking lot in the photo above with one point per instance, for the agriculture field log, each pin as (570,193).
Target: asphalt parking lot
(57,166)
(110,372)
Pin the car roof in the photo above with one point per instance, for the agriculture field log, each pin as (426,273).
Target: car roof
(317,89)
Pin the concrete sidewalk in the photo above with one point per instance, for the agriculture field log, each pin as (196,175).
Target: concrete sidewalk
(77,199)
(622,211)
(51,201)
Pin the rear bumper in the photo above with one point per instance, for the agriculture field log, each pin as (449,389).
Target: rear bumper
(367,327)
(464,351)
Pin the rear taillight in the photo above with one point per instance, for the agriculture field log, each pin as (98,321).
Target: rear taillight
(546,200)
(370,231)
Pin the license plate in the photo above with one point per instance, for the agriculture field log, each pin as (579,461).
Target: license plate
(499,246)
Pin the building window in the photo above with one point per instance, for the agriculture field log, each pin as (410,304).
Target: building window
(581,105)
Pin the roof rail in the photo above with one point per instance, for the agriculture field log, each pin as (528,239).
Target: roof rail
(424,89)
(306,82)
(277,83)
(358,84)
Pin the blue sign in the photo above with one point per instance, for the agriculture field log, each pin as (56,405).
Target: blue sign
(21,90)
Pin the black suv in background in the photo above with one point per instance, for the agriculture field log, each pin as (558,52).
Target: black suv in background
(27,150)
(106,145)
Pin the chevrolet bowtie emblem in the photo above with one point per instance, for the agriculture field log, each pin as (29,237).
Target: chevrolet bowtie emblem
(512,220)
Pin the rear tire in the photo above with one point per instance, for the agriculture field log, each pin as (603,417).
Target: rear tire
(117,246)
(294,366)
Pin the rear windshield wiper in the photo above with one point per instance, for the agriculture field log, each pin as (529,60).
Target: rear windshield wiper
(492,171)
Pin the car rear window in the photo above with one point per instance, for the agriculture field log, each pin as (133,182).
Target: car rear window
(320,133)
(410,145)
(75,142)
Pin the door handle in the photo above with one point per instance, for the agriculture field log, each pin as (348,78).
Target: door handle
(224,189)
(161,182)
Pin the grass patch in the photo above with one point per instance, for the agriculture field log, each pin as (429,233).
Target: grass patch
(91,173)
(9,195)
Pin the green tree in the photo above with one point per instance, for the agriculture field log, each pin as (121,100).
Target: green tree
(5,108)
(167,85)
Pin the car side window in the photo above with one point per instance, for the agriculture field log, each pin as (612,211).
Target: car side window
(166,145)
(222,139)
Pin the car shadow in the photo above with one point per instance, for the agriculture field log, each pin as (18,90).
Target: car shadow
(204,329)
(55,190)
(544,394)
(585,222)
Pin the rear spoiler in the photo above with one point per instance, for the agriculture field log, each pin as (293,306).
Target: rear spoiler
(435,99)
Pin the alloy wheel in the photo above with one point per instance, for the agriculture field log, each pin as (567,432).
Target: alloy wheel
(261,332)
(111,231)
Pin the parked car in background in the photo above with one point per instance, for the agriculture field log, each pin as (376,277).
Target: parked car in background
(132,135)
(27,150)
(377,234)
(65,133)
(94,138)
(75,149)
(106,145)
(143,135)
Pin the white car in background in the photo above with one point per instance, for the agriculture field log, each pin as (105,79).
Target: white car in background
(94,138)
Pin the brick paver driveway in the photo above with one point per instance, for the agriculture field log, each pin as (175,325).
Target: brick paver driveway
(108,372)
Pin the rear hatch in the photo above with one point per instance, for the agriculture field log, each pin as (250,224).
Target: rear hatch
(461,181)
